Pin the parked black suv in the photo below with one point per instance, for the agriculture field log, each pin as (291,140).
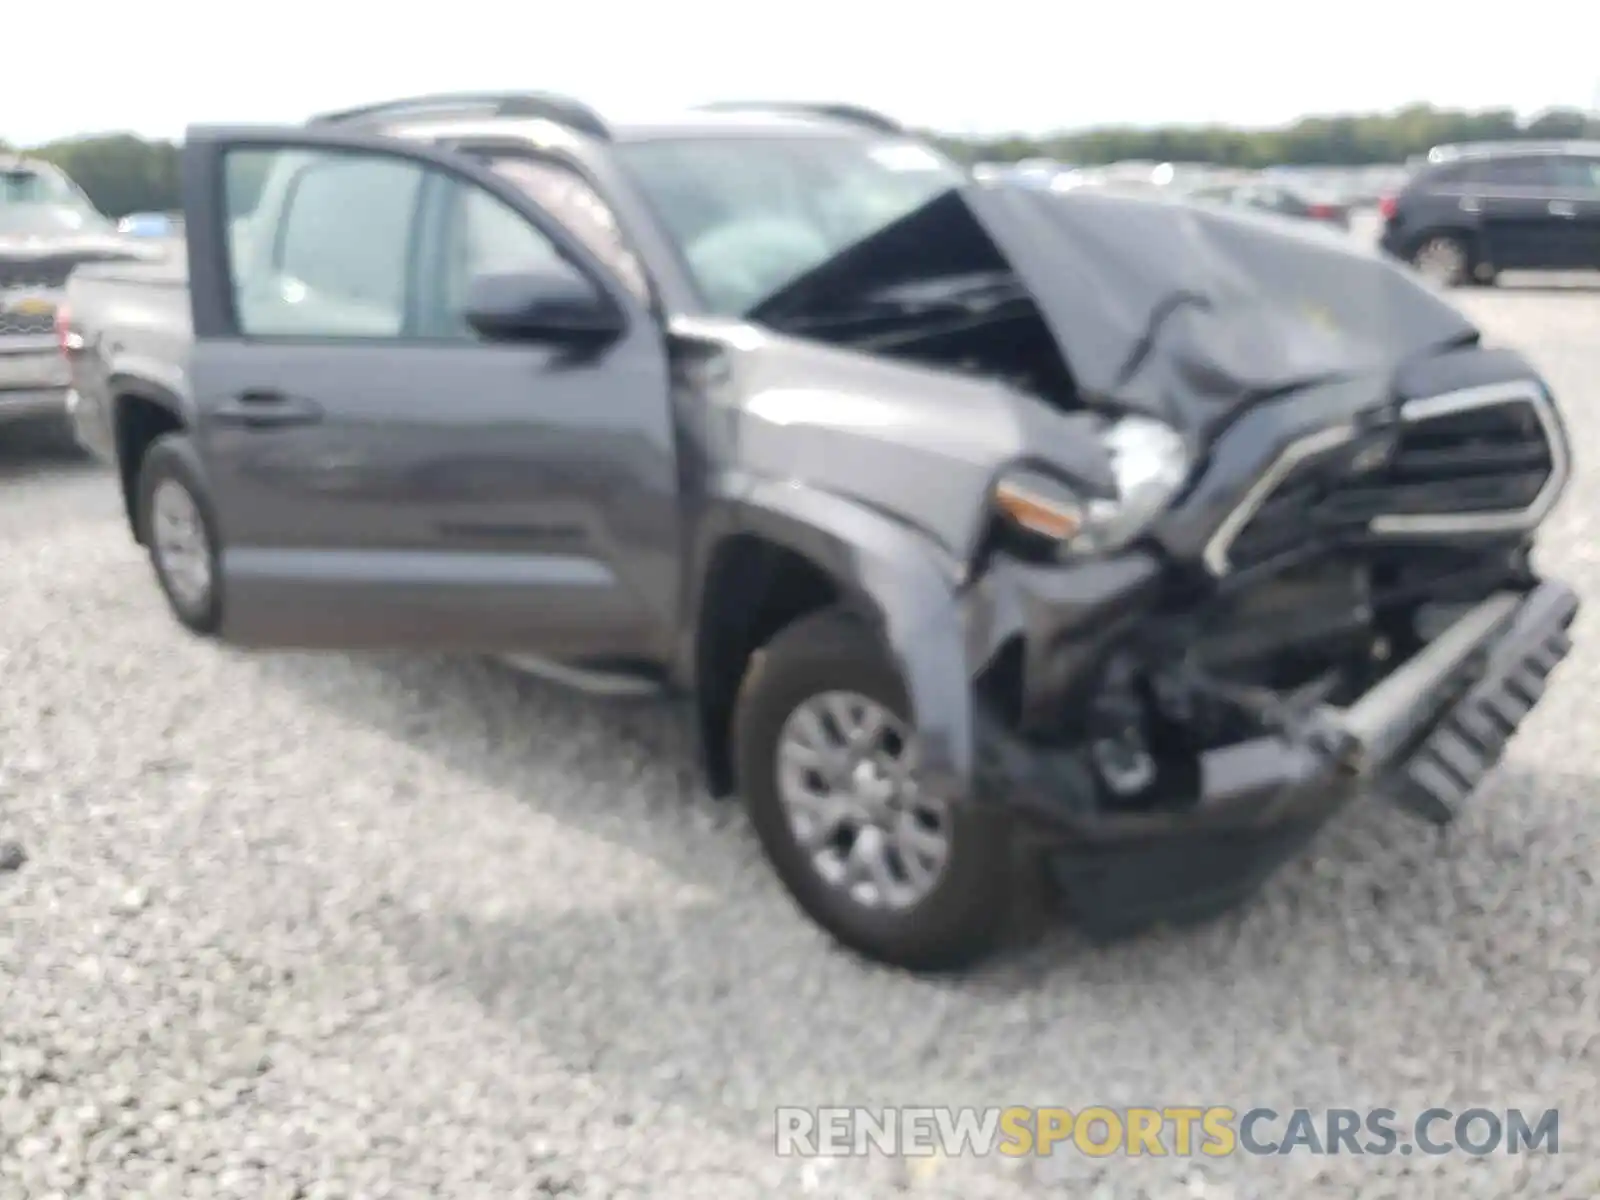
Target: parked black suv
(1471,212)
(966,518)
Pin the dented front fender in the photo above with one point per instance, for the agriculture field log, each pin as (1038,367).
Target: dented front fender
(897,579)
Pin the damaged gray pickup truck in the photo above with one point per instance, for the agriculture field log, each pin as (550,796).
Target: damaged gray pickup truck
(980,527)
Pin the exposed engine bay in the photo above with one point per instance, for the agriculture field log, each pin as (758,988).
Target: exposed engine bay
(932,289)
(1218,670)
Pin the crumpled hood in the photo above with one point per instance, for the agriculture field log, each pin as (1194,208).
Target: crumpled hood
(1190,314)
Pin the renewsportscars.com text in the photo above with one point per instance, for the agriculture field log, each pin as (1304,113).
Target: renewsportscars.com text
(1214,1131)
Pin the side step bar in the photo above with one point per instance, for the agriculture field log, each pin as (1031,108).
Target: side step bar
(593,683)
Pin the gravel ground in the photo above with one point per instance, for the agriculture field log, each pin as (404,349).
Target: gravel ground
(325,926)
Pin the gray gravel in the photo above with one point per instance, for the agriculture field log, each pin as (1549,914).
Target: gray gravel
(296,926)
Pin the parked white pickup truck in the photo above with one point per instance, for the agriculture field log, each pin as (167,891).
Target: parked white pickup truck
(47,227)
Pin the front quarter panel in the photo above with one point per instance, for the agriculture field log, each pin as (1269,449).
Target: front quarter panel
(919,445)
(877,472)
(891,574)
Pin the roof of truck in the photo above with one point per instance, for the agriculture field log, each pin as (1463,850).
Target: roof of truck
(741,124)
(478,114)
(678,127)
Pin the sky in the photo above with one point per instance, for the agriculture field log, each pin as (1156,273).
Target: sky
(154,66)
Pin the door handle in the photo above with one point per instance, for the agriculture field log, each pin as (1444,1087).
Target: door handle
(1560,208)
(267,410)
(1470,204)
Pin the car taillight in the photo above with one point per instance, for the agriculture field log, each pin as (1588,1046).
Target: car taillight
(1323,212)
(66,340)
(1387,206)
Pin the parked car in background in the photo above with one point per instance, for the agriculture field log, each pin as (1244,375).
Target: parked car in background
(1282,199)
(970,524)
(34,181)
(1036,172)
(47,227)
(1093,180)
(151,225)
(1370,185)
(1470,212)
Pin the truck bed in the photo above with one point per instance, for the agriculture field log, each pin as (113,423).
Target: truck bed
(172,269)
(133,319)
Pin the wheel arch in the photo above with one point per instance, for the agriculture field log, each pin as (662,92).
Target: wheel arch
(782,552)
(141,412)
(1469,235)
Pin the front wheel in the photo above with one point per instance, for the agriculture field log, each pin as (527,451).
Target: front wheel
(827,765)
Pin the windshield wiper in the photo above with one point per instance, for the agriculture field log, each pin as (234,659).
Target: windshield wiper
(973,295)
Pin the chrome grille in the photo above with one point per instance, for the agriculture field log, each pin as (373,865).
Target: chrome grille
(1489,459)
(38,276)
(23,287)
(1483,459)
(15,324)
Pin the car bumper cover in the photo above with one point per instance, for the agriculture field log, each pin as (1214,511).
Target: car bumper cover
(26,404)
(1423,738)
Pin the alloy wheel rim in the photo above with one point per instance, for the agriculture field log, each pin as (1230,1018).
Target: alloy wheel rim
(847,780)
(1441,260)
(179,537)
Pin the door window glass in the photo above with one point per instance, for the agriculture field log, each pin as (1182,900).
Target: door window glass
(331,255)
(480,235)
(1448,176)
(1518,171)
(1579,173)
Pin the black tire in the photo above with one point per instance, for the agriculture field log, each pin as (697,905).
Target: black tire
(62,440)
(964,915)
(172,460)
(48,438)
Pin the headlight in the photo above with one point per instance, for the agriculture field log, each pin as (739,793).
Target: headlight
(1149,463)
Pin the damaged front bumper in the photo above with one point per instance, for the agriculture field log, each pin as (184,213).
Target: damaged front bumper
(1424,737)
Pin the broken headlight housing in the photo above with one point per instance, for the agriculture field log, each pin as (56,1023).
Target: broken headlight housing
(1148,461)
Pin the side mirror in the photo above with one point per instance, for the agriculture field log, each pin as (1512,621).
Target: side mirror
(547,305)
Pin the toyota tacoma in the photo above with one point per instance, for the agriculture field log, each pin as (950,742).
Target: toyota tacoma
(979,527)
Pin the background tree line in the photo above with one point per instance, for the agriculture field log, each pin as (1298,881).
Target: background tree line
(1336,141)
(124,174)
(121,173)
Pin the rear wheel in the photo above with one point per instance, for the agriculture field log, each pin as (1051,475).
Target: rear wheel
(177,529)
(1444,259)
(827,761)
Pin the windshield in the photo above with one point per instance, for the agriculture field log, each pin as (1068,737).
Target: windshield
(49,220)
(752,215)
(22,185)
